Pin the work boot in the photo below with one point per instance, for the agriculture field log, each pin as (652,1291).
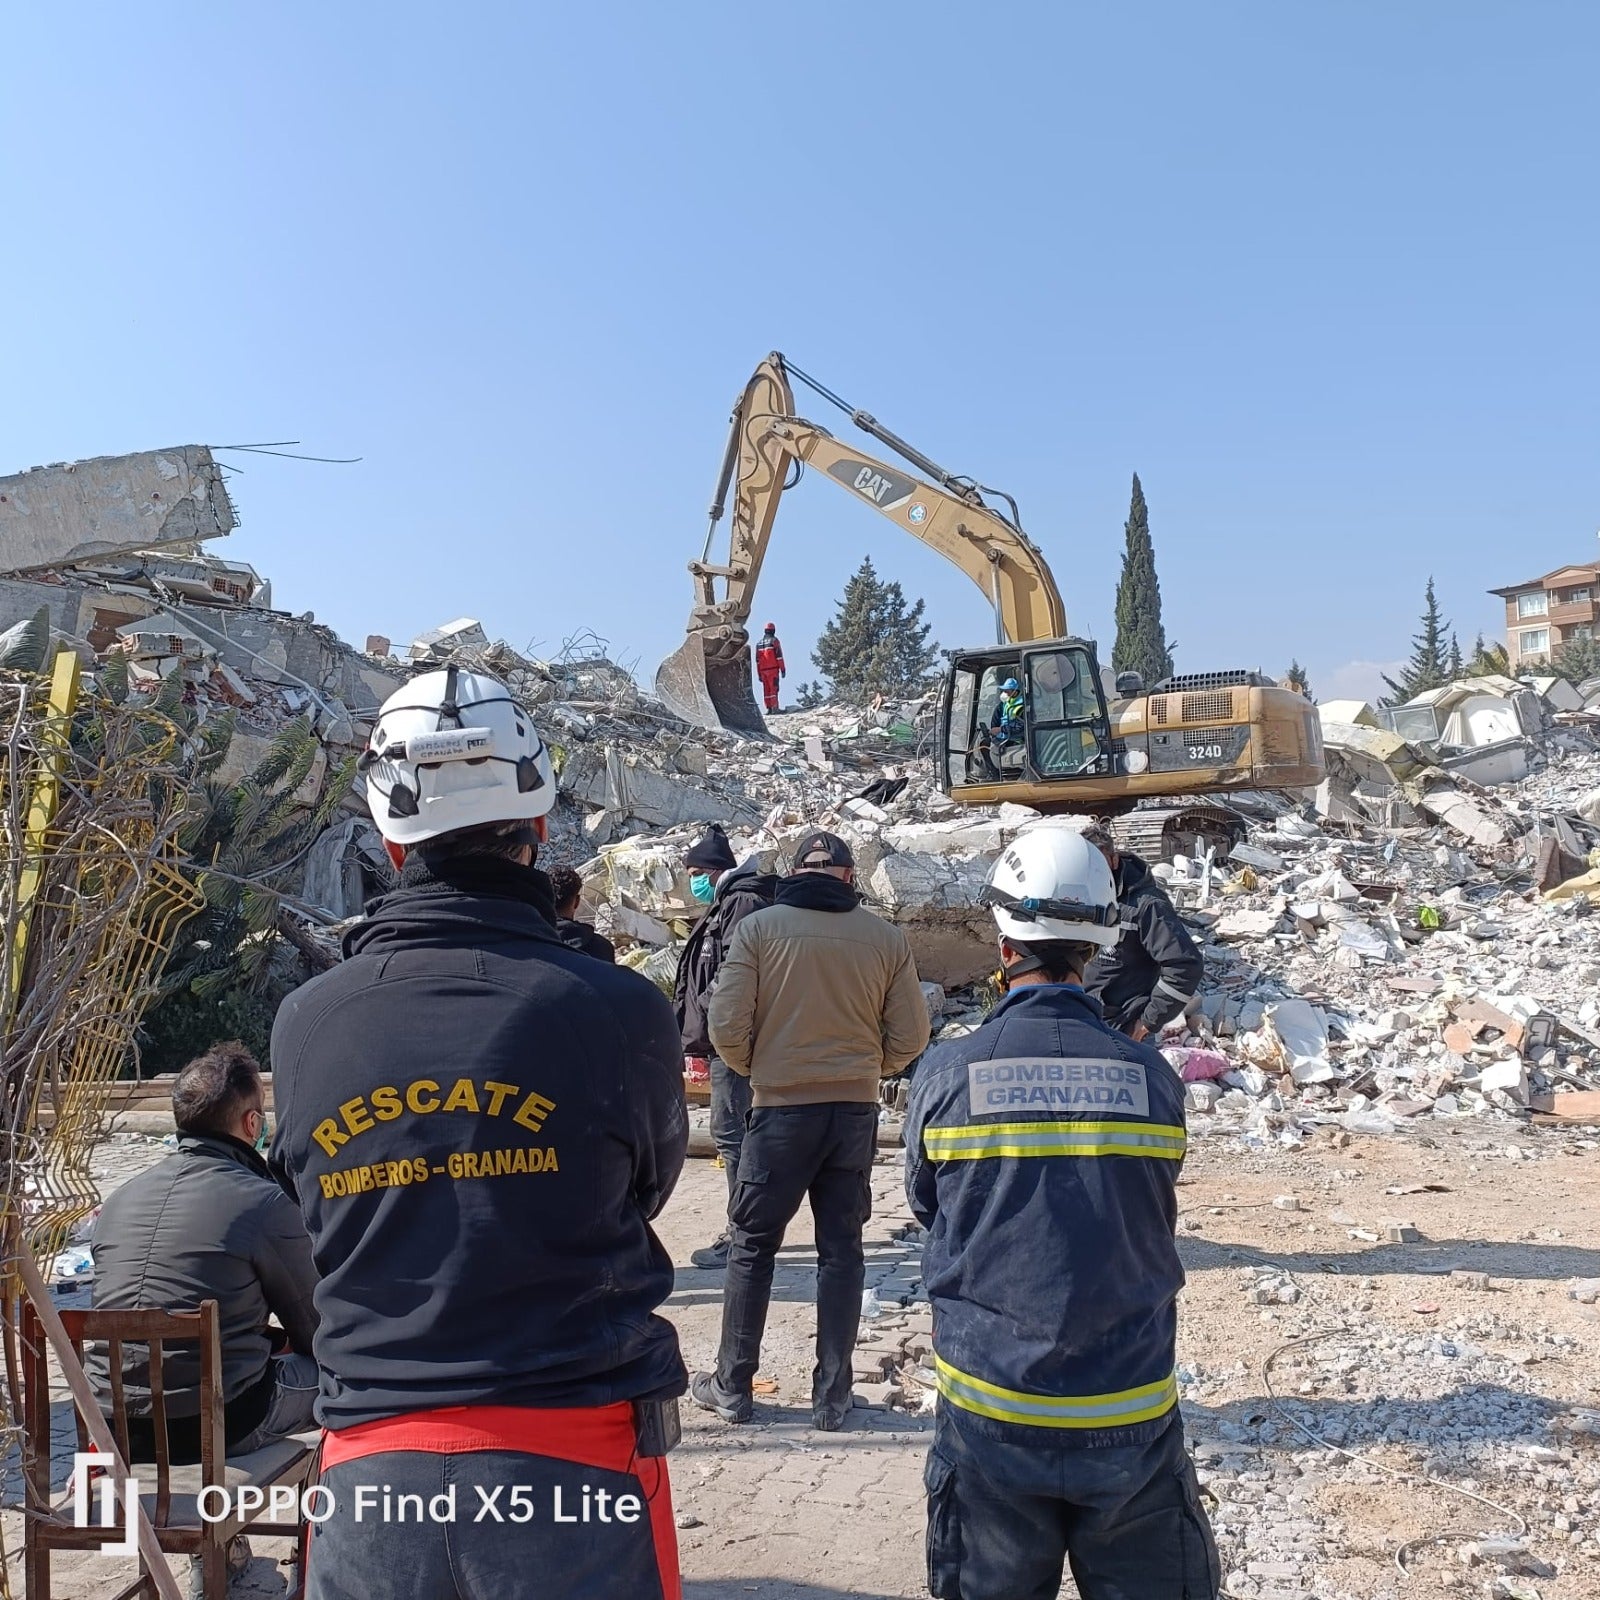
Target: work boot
(830,1419)
(715,1255)
(706,1391)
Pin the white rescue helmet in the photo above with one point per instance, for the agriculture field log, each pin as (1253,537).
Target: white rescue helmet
(452,750)
(1051,883)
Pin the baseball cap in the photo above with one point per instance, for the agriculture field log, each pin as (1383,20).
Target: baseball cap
(823,849)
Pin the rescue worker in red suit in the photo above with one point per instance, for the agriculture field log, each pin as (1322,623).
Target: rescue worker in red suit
(479,1123)
(769,665)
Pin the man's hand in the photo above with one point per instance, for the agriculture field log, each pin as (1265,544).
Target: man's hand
(1138,1032)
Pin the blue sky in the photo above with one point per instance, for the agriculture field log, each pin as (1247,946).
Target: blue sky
(1323,275)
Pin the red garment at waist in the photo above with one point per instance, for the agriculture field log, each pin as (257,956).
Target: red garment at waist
(594,1436)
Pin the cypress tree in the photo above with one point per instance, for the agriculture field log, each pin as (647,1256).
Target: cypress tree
(1141,639)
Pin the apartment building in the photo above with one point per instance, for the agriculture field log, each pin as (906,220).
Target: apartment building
(1546,613)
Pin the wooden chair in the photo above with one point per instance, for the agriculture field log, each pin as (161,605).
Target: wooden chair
(173,1504)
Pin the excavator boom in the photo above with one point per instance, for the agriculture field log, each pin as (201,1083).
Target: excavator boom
(707,680)
(1077,745)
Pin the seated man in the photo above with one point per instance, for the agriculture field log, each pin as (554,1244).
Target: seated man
(209,1223)
(568,888)
(999,746)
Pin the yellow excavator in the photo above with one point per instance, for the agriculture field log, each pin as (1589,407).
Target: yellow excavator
(1064,739)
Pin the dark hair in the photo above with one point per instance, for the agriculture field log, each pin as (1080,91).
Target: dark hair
(1061,959)
(503,841)
(567,885)
(212,1091)
(1101,837)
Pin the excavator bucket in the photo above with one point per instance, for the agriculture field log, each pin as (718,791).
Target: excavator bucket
(707,683)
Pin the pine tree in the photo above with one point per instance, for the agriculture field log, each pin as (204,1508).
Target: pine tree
(1141,639)
(1295,678)
(876,644)
(1455,667)
(1429,666)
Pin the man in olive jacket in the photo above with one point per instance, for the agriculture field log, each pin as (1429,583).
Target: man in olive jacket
(817,1002)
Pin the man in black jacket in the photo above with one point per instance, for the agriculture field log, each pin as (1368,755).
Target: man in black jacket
(1154,970)
(567,890)
(733,892)
(210,1224)
(479,1124)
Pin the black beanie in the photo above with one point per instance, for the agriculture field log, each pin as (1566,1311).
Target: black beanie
(711,852)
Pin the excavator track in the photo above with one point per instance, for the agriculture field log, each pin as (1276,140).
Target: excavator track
(1164,830)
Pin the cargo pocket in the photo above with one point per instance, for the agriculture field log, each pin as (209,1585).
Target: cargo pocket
(944,1528)
(1202,1567)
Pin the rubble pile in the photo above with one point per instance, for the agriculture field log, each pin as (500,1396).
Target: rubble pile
(1371,975)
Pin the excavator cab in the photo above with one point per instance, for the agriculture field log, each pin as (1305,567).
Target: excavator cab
(1064,732)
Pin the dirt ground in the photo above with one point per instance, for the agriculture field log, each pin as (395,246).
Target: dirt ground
(1485,1382)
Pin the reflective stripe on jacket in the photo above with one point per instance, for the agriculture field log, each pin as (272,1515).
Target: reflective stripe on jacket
(1042,1154)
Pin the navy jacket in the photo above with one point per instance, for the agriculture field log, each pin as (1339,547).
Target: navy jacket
(479,1123)
(1042,1155)
(1154,969)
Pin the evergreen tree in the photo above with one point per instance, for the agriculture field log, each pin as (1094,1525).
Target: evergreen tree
(1455,667)
(1295,678)
(876,644)
(1576,660)
(1141,639)
(1488,660)
(1429,666)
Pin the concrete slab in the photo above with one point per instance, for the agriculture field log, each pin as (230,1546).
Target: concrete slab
(80,510)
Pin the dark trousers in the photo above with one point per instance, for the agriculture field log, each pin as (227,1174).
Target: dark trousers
(1003,1518)
(791,1152)
(730,1109)
(466,1554)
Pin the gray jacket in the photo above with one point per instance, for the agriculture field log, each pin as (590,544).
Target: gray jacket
(207,1223)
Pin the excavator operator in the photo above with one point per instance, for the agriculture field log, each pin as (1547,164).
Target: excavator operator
(770,666)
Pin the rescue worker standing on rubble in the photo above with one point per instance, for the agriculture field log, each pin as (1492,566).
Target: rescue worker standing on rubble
(478,1123)
(817,1003)
(769,665)
(1153,971)
(733,892)
(1042,1155)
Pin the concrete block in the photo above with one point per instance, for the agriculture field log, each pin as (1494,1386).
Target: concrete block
(78,511)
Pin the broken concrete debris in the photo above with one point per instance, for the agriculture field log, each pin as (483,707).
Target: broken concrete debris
(1408,942)
(77,511)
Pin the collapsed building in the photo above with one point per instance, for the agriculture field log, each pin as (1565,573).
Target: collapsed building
(1400,943)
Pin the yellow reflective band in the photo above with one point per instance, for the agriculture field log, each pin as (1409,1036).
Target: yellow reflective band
(974,1142)
(1118,1410)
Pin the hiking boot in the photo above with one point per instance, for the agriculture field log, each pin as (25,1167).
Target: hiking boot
(706,1391)
(715,1255)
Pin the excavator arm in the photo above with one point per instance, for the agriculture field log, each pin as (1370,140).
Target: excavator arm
(707,680)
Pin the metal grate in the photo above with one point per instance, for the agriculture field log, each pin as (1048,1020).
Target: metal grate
(1216,707)
(1158,711)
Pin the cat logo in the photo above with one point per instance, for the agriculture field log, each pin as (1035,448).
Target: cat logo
(886,489)
(872,484)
